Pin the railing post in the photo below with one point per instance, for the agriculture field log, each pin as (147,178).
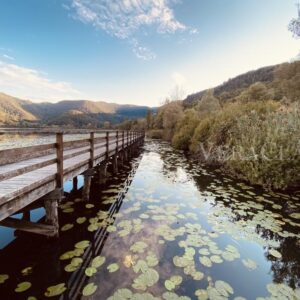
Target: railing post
(107,145)
(117,141)
(127,139)
(92,149)
(59,160)
(123,140)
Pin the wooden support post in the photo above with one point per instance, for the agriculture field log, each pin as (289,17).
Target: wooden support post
(92,150)
(26,215)
(102,173)
(86,187)
(115,164)
(75,183)
(127,144)
(51,207)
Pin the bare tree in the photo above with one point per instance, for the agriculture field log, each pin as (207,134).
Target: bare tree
(294,25)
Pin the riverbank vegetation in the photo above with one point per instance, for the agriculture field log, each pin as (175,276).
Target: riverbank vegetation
(252,132)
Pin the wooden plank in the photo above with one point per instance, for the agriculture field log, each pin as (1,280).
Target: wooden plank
(76,144)
(8,156)
(23,225)
(20,171)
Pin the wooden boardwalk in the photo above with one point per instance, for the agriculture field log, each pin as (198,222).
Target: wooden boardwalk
(31,173)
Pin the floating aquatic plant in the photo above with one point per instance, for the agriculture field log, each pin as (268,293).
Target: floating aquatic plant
(55,290)
(89,289)
(23,286)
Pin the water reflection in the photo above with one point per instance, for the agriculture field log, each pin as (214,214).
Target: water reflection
(163,229)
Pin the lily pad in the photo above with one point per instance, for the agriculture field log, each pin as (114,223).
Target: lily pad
(113,268)
(67,227)
(81,220)
(26,271)
(3,278)
(249,263)
(275,253)
(205,261)
(98,261)
(82,245)
(22,287)
(55,290)
(89,289)
(89,205)
(138,247)
(90,271)
(146,279)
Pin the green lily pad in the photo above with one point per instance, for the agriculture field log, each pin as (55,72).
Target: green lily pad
(147,279)
(67,255)
(205,261)
(3,278)
(22,287)
(89,289)
(223,288)
(201,294)
(250,264)
(295,216)
(169,285)
(81,220)
(82,245)
(216,259)
(93,227)
(275,253)
(89,205)
(70,268)
(113,268)
(98,261)
(138,247)
(55,290)
(26,271)
(67,227)
(140,266)
(90,271)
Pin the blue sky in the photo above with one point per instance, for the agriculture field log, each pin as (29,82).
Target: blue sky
(136,51)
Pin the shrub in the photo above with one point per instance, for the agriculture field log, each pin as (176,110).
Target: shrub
(155,133)
(185,129)
(267,149)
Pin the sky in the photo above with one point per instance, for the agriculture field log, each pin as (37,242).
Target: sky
(137,51)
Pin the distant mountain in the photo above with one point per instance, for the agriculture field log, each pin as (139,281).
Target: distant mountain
(236,84)
(14,111)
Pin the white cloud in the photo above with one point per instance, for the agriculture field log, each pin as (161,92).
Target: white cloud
(8,57)
(141,51)
(123,18)
(31,84)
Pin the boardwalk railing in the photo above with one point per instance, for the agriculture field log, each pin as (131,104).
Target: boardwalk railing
(29,173)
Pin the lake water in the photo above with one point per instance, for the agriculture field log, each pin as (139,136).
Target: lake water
(163,228)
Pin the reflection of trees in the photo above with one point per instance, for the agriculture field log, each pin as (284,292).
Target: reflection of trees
(285,270)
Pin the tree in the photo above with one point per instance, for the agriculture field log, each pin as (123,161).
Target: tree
(208,104)
(256,92)
(294,25)
(149,119)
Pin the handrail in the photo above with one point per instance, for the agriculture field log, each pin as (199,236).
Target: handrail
(54,130)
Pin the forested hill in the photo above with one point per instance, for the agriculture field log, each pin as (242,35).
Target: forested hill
(76,113)
(235,85)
